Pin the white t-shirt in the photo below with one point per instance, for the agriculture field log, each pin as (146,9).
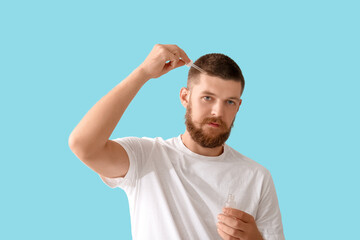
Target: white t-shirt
(174,193)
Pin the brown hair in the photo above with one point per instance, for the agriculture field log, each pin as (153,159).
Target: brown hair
(217,65)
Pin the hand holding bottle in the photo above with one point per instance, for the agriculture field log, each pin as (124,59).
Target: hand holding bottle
(236,223)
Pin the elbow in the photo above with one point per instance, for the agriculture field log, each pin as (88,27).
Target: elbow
(72,143)
(82,149)
(76,146)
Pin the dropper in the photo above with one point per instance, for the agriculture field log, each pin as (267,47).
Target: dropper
(191,64)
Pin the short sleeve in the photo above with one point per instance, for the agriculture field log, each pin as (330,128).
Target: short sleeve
(136,149)
(268,217)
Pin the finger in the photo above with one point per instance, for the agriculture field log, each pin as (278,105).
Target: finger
(239,214)
(170,65)
(180,63)
(224,235)
(169,62)
(181,52)
(232,222)
(172,59)
(184,56)
(171,56)
(175,60)
(230,231)
(167,67)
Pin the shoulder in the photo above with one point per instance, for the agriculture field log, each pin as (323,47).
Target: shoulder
(247,163)
(132,139)
(144,142)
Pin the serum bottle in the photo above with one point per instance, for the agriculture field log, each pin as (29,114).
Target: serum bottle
(230,202)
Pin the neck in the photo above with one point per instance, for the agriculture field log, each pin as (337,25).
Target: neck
(197,148)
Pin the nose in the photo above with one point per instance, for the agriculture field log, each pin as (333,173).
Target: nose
(217,109)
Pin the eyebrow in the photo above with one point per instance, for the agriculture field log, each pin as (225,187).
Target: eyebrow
(213,94)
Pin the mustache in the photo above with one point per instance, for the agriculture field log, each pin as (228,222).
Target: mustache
(214,120)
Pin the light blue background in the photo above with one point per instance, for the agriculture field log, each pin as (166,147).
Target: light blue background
(299,118)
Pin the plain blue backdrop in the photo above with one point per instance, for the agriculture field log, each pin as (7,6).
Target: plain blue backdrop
(299,117)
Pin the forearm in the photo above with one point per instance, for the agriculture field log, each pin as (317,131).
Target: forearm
(97,125)
(94,130)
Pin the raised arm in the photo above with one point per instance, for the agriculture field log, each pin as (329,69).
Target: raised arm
(89,141)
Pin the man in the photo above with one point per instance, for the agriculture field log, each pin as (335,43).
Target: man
(177,187)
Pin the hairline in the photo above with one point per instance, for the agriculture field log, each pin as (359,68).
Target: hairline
(195,80)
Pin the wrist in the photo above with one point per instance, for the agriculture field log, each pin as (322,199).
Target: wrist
(141,75)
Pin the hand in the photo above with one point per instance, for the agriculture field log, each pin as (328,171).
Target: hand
(236,224)
(162,59)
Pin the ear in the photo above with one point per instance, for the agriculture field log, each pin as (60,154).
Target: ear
(184,96)
(239,105)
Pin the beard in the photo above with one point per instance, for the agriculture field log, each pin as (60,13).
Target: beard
(208,139)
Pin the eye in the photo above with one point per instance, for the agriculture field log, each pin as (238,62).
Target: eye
(230,102)
(207,98)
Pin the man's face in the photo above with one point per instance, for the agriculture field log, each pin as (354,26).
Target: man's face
(210,113)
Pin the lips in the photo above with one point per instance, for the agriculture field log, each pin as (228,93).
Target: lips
(214,124)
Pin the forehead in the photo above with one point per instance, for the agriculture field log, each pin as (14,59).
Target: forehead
(217,86)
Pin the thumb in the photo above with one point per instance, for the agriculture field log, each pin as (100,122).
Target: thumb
(171,66)
(180,63)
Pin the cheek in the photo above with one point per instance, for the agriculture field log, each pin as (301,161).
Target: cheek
(231,119)
(203,108)
(198,108)
(198,115)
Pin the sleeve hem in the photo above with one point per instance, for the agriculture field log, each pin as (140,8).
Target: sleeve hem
(127,180)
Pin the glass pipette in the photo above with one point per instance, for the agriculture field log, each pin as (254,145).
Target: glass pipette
(191,64)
